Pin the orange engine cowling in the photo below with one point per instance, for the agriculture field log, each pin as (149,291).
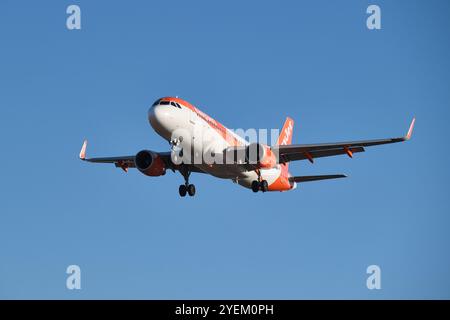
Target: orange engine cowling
(150,163)
(260,155)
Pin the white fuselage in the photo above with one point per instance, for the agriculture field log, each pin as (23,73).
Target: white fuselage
(206,137)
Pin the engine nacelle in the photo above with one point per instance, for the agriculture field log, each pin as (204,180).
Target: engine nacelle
(260,155)
(150,163)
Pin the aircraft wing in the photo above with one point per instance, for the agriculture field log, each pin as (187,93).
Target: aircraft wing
(310,151)
(123,162)
(126,162)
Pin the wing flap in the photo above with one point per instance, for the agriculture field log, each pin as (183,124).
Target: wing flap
(318,154)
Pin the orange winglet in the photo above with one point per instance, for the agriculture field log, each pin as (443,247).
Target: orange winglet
(309,157)
(83,150)
(348,152)
(410,130)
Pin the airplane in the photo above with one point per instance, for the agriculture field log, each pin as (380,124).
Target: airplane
(256,166)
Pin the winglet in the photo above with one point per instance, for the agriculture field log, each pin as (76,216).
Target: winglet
(83,150)
(411,127)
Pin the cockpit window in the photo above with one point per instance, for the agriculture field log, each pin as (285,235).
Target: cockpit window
(175,104)
(166,103)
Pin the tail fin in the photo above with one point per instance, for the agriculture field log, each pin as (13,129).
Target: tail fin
(285,138)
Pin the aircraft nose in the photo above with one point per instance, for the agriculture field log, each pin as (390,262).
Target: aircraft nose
(160,118)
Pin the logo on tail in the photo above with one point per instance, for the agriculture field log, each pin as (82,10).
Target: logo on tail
(285,137)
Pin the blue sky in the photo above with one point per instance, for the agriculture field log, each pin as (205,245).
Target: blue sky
(249,65)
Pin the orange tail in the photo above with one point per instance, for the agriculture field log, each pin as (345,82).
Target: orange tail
(285,138)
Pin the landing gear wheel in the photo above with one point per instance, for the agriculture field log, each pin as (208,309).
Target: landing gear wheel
(186,187)
(264,186)
(191,190)
(182,190)
(255,186)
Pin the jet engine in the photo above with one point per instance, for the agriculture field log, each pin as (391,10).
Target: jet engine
(260,155)
(150,163)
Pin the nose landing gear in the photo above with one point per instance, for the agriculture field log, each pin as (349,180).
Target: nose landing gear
(186,187)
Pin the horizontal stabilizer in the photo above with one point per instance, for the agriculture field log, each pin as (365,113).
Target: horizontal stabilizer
(315,178)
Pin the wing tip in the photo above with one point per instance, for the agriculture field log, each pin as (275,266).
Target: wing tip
(410,130)
(83,150)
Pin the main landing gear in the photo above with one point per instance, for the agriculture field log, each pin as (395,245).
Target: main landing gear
(257,185)
(186,187)
(260,184)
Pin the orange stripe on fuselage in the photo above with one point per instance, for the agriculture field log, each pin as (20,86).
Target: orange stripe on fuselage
(215,125)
